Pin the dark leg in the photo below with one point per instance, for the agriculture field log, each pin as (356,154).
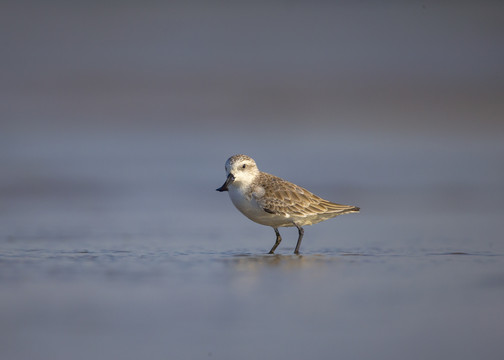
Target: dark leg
(277,242)
(301,233)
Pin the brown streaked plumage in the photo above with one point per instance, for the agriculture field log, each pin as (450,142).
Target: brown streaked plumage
(285,198)
(272,201)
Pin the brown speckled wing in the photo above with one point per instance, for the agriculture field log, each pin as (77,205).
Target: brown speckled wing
(282,197)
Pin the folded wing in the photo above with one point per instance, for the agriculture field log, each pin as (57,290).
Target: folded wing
(284,198)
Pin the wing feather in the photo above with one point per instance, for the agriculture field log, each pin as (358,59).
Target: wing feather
(285,198)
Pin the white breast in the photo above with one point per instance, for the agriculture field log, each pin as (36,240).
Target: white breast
(245,202)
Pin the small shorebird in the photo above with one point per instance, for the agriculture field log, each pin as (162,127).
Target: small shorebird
(271,201)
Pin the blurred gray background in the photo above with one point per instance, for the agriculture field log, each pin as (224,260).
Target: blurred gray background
(116,118)
(348,96)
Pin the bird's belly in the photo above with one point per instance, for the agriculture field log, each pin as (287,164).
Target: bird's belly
(252,210)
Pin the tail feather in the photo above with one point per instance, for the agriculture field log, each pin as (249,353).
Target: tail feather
(342,209)
(351,209)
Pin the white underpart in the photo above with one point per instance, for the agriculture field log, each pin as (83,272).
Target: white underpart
(244,200)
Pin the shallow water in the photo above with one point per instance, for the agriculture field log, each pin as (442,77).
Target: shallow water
(135,303)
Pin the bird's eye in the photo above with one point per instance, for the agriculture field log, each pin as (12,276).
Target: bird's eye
(244,166)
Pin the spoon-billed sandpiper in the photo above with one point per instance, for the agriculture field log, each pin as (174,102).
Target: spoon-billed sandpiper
(272,201)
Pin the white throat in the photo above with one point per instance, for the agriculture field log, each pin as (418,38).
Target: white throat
(244,179)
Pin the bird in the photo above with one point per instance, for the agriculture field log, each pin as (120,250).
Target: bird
(272,201)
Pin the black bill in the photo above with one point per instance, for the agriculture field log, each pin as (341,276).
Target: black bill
(229,180)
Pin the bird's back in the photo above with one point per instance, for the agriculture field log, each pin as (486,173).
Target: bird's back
(280,197)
